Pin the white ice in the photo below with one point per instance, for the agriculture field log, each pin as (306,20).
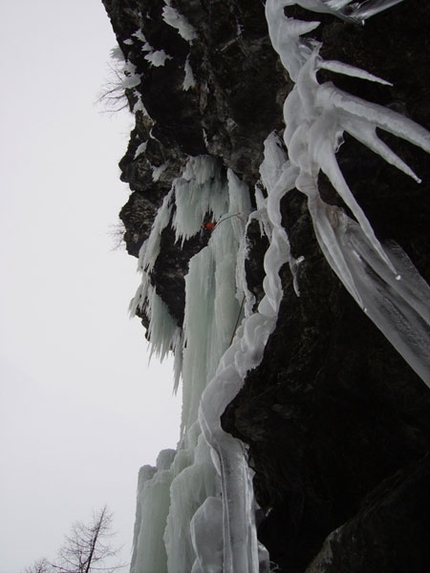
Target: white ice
(189,79)
(196,509)
(349,10)
(200,191)
(157,58)
(212,311)
(179,22)
(316,117)
(240,547)
(158,171)
(149,553)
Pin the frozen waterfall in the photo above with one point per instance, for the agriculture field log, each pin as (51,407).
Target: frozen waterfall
(196,509)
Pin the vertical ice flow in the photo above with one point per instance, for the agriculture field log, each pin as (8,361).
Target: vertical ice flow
(196,508)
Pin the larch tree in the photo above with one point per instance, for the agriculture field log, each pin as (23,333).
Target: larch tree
(87,549)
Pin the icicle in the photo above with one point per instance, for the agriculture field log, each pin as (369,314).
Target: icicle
(240,548)
(211,303)
(163,330)
(285,36)
(157,58)
(149,553)
(370,8)
(316,117)
(151,248)
(200,190)
(400,307)
(347,70)
(348,10)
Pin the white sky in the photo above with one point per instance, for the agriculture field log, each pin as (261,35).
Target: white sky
(80,411)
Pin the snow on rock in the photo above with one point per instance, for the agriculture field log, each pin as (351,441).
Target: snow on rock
(189,80)
(140,149)
(124,70)
(179,22)
(158,171)
(157,58)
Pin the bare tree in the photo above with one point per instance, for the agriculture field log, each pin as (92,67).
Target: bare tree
(40,566)
(113,95)
(116,233)
(87,549)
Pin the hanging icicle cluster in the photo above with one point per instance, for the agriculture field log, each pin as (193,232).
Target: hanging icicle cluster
(206,521)
(382,280)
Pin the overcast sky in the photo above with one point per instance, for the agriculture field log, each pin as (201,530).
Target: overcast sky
(80,411)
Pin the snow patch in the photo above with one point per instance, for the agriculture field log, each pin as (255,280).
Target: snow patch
(158,171)
(140,36)
(140,149)
(189,80)
(157,58)
(173,18)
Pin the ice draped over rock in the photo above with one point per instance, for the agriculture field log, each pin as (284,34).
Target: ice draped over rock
(384,282)
(214,293)
(215,360)
(196,509)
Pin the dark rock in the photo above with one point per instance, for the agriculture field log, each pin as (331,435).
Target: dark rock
(389,532)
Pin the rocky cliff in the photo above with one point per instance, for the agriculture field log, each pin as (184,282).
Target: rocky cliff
(336,423)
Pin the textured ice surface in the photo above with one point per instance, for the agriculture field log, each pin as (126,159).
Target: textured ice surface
(211,303)
(240,548)
(153,499)
(316,117)
(196,510)
(201,190)
(349,10)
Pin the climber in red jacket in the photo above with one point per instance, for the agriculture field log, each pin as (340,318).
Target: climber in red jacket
(210,226)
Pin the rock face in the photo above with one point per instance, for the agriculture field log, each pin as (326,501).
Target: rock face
(337,424)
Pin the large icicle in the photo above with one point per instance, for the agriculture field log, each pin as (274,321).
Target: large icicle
(349,10)
(200,191)
(398,305)
(149,553)
(195,480)
(383,282)
(211,302)
(240,548)
(213,308)
(205,520)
